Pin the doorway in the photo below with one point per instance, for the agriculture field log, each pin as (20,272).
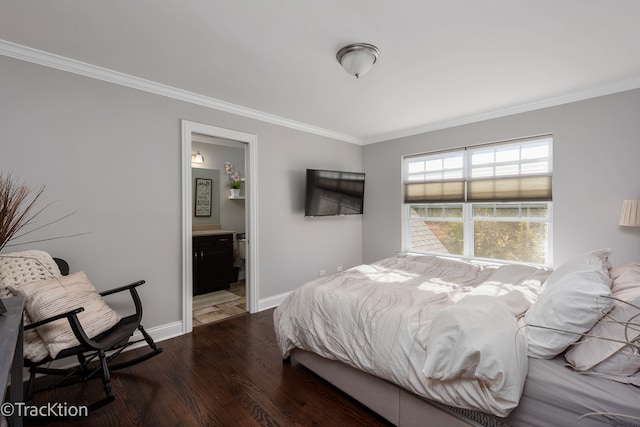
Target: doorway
(197,132)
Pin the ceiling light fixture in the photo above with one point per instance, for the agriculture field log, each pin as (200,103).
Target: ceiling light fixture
(358,58)
(197,158)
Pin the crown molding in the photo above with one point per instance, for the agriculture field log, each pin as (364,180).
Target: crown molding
(594,92)
(58,62)
(51,60)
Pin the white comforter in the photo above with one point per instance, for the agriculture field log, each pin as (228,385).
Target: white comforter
(444,329)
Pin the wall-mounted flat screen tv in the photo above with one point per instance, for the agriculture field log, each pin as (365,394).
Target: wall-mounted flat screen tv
(334,193)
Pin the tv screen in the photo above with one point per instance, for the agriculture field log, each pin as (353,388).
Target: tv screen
(334,193)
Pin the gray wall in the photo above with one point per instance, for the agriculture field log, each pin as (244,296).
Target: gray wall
(214,176)
(113,155)
(231,213)
(596,156)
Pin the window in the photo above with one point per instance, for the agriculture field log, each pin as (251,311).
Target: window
(490,202)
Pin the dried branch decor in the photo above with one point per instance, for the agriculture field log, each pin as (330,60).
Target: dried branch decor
(17,202)
(631,339)
(630,325)
(19,207)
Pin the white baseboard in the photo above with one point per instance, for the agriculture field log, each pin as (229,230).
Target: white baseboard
(159,333)
(175,329)
(274,301)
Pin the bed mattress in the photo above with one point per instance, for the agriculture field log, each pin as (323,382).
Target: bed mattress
(560,397)
(540,406)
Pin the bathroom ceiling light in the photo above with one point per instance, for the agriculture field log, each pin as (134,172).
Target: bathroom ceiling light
(197,158)
(358,58)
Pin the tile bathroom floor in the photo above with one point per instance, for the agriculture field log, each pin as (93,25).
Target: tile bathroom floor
(219,305)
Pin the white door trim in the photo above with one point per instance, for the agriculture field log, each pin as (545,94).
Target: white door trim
(250,215)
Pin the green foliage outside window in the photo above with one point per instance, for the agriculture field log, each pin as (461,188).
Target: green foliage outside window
(496,231)
(511,241)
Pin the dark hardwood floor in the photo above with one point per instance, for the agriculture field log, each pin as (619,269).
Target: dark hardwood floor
(228,373)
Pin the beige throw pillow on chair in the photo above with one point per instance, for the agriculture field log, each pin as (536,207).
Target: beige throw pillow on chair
(47,298)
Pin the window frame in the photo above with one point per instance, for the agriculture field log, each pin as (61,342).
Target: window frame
(468,219)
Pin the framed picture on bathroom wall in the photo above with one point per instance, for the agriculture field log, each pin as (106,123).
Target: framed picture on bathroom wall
(203,197)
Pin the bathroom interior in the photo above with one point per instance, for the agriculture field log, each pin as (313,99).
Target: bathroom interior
(218,228)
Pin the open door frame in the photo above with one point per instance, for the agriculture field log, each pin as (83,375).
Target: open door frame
(188,128)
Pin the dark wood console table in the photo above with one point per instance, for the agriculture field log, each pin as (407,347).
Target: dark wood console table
(11,333)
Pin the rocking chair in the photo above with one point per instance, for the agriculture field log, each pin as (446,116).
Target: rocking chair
(103,348)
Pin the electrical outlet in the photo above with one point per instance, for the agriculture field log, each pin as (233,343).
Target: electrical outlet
(322,272)
(339,268)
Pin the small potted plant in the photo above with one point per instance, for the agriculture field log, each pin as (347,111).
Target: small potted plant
(234,179)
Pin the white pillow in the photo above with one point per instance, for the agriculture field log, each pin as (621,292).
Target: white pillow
(626,279)
(597,260)
(17,268)
(46,298)
(624,362)
(574,297)
(605,352)
(24,267)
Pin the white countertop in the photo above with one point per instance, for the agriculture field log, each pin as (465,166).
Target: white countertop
(211,232)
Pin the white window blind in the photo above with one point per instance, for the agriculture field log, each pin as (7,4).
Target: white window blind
(513,171)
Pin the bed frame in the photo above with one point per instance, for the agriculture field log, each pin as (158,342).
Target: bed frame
(400,407)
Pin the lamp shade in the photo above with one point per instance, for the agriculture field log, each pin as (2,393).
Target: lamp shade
(358,58)
(197,158)
(630,214)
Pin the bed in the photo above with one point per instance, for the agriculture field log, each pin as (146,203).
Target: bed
(454,342)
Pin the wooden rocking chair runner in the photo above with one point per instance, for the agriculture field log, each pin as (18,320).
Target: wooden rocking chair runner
(103,348)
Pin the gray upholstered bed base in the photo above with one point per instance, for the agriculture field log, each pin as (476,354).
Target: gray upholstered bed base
(400,407)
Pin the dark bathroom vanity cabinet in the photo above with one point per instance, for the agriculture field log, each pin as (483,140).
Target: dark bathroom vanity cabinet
(212,263)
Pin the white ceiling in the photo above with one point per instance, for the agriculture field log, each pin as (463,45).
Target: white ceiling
(442,62)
